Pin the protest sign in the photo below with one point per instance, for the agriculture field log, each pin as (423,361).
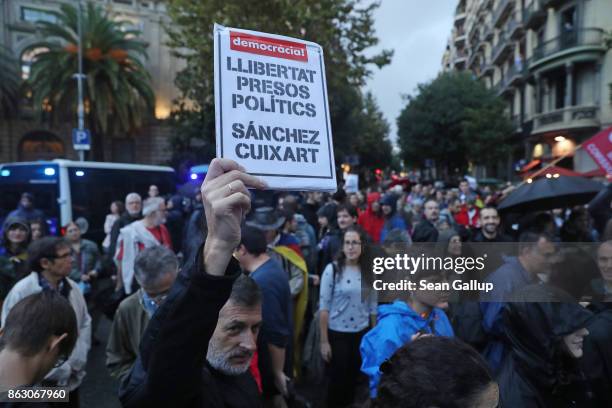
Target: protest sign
(599,148)
(271,109)
(351,183)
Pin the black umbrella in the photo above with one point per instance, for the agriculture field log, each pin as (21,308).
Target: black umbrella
(549,193)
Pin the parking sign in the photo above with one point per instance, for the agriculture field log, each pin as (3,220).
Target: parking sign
(81,139)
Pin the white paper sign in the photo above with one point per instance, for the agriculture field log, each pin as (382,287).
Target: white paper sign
(351,183)
(271,109)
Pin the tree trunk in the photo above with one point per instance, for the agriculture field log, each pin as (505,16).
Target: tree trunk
(97,143)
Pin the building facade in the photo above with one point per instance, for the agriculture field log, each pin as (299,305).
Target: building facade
(24,138)
(550,60)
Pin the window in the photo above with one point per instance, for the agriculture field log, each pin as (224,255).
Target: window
(27,58)
(33,15)
(92,191)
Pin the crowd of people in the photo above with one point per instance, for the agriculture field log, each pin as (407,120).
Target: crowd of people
(246,297)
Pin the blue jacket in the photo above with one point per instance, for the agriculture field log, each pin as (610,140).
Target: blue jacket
(397,323)
(395,222)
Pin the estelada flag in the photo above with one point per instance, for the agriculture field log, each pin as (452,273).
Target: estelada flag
(599,148)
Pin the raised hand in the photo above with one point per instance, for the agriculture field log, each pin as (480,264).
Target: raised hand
(226,202)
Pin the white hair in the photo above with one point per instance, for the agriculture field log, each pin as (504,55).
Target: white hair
(151,205)
(132,195)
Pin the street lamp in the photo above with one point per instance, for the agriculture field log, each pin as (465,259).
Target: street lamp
(79,77)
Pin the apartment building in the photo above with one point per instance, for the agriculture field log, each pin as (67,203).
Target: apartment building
(24,138)
(550,61)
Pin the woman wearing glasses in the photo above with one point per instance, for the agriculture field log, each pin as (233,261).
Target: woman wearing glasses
(344,316)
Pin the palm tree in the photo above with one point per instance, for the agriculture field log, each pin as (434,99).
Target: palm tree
(9,83)
(117,90)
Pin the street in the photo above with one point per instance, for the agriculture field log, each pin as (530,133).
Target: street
(99,390)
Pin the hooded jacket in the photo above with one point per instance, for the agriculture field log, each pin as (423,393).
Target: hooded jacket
(371,222)
(393,220)
(538,372)
(397,323)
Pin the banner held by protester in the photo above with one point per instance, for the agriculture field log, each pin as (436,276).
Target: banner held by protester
(599,147)
(271,109)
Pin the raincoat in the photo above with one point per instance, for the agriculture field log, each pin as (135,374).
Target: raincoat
(371,222)
(397,323)
(538,372)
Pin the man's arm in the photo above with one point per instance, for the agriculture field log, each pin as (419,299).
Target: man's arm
(173,350)
(277,360)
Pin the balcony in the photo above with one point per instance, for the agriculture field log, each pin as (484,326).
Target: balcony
(502,49)
(501,12)
(472,59)
(577,41)
(573,117)
(460,14)
(534,15)
(485,69)
(516,73)
(515,28)
(488,33)
(482,45)
(485,5)
(460,59)
(473,32)
(513,76)
(459,37)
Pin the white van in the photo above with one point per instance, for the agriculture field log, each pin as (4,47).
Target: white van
(65,190)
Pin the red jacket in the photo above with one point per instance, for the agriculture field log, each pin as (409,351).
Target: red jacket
(371,222)
(463,218)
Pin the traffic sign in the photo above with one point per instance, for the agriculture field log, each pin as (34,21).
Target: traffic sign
(81,139)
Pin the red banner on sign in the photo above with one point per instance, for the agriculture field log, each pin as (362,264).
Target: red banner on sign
(600,149)
(268,46)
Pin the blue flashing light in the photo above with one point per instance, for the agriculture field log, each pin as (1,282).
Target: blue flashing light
(194,176)
(79,173)
(49,171)
(5,173)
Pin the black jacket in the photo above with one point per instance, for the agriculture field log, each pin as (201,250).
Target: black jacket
(537,373)
(425,232)
(500,237)
(597,360)
(171,369)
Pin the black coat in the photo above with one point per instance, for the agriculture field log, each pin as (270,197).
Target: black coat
(537,373)
(171,369)
(425,232)
(597,360)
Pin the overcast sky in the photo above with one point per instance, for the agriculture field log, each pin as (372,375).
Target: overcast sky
(417,30)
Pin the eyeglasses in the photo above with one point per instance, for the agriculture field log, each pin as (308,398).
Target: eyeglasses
(352,243)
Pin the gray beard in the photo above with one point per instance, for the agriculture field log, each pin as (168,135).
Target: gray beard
(219,361)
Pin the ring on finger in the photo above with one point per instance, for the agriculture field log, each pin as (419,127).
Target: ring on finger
(231,189)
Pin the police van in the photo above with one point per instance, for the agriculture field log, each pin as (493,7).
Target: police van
(66,190)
